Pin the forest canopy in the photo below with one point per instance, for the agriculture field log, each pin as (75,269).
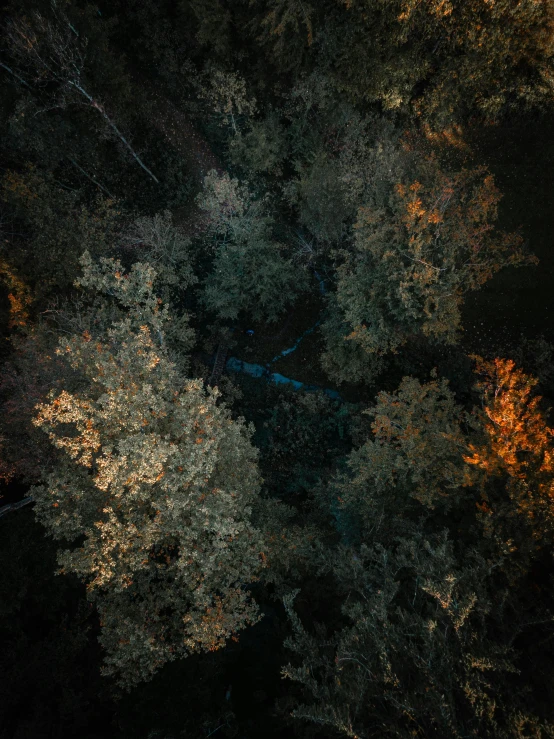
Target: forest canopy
(276,439)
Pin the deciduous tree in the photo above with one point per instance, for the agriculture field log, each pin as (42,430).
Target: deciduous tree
(445,60)
(152,489)
(50,55)
(514,458)
(54,228)
(422,649)
(413,261)
(425,642)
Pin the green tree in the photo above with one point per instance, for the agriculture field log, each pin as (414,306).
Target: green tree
(286,27)
(165,246)
(428,456)
(322,203)
(152,489)
(342,360)
(301,437)
(227,96)
(421,649)
(412,262)
(419,637)
(444,60)
(262,147)
(416,453)
(55,227)
(251,272)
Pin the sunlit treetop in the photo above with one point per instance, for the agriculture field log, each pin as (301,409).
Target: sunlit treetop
(516,443)
(152,489)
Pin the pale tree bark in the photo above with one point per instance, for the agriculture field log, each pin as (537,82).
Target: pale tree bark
(54,52)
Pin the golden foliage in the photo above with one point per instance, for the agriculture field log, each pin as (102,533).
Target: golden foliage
(156,481)
(19,295)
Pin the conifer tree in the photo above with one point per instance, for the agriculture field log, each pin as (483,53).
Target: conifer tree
(251,271)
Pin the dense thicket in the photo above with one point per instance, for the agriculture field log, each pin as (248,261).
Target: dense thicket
(291,473)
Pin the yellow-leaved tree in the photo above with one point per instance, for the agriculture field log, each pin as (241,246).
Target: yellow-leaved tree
(152,488)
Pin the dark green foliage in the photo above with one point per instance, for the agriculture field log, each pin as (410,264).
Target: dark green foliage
(251,273)
(302,438)
(444,59)
(426,643)
(413,260)
(262,147)
(424,649)
(53,228)
(313,187)
(320,194)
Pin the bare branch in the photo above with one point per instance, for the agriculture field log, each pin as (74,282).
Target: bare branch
(56,53)
(90,177)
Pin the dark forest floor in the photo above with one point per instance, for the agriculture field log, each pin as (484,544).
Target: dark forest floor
(518,302)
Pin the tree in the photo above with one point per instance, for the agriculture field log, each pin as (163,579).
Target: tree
(164,245)
(226,94)
(261,147)
(286,26)
(250,271)
(413,460)
(299,440)
(421,649)
(322,202)
(52,53)
(443,60)
(28,375)
(346,361)
(19,295)
(418,638)
(55,227)
(413,261)
(514,455)
(152,488)
(492,466)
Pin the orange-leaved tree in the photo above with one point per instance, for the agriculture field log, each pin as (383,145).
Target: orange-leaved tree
(516,444)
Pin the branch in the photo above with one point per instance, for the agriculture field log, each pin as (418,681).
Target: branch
(62,60)
(17,77)
(111,123)
(91,178)
(432,266)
